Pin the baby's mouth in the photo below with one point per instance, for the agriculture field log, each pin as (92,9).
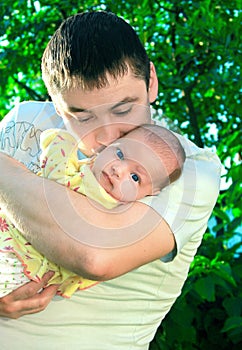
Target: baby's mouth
(107,180)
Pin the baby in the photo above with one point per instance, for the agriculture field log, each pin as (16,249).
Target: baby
(139,164)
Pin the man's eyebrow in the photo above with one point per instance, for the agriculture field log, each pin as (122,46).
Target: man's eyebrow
(118,104)
(124,101)
(76,109)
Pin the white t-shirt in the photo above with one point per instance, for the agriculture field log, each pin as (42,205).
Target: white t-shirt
(124,313)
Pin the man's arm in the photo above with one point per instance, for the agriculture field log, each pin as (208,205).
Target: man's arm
(77,234)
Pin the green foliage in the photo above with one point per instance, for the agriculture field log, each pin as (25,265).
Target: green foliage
(196,49)
(208,313)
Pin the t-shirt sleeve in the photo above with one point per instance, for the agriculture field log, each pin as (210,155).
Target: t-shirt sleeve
(20,131)
(187,203)
(8,133)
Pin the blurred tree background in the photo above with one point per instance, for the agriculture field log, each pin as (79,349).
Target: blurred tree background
(196,48)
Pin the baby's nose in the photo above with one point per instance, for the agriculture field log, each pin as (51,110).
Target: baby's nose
(120,169)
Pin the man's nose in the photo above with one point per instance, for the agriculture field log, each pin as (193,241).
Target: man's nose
(108,134)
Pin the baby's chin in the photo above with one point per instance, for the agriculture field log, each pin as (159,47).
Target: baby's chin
(123,198)
(115,196)
(118,197)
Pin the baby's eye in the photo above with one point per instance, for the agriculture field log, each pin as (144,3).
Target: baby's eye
(135,177)
(120,154)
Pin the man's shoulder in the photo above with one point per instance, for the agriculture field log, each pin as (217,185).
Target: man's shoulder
(41,115)
(31,117)
(35,107)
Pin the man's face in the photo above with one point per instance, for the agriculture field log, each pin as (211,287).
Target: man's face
(100,116)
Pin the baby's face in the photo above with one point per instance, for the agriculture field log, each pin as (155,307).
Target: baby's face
(128,169)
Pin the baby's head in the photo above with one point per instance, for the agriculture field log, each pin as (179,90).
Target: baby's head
(140,163)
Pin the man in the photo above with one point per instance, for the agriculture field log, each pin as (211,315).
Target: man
(101,83)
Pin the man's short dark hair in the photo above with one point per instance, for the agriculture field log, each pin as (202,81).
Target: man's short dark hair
(87,47)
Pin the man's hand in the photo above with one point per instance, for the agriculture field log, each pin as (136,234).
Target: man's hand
(28,299)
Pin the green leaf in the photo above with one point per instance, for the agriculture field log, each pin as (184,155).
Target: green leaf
(205,288)
(221,214)
(209,93)
(223,270)
(232,323)
(233,306)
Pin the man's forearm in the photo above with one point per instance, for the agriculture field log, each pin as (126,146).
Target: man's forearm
(11,172)
(75,232)
(23,196)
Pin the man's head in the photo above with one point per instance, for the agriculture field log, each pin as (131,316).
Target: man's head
(99,77)
(139,164)
(89,47)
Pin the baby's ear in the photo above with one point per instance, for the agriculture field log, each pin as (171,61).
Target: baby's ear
(155,191)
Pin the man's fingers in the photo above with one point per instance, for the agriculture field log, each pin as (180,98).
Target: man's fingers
(36,303)
(22,306)
(30,289)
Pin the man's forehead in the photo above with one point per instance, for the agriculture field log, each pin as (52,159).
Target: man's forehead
(116,91)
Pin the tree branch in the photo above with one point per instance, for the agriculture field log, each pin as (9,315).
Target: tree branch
(193,116)
(32,93)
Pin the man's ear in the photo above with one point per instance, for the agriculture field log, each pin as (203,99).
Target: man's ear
(153,85)
(56,108)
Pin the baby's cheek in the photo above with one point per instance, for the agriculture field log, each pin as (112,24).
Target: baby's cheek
(128,191)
